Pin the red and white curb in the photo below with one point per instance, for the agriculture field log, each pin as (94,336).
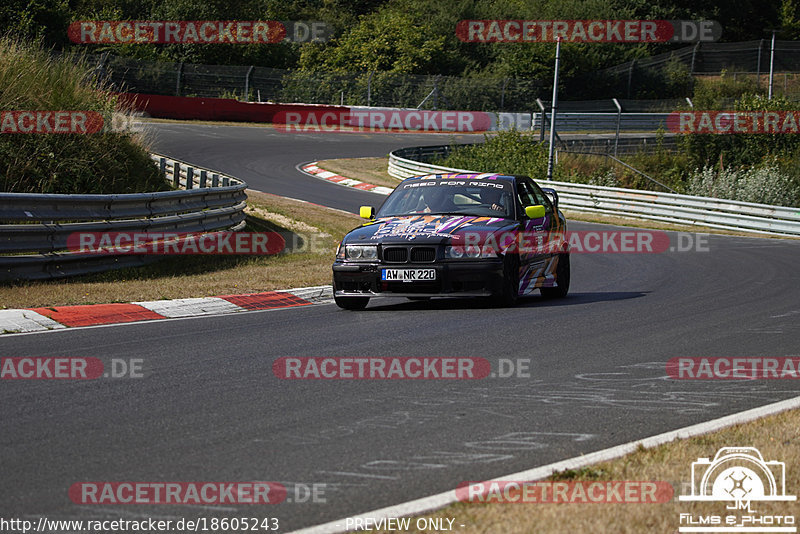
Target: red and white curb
(312,169)
(58,317)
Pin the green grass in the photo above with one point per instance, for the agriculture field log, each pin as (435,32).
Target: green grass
(109,162)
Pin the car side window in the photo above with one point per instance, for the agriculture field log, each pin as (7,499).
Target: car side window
(541,198)
(526,197)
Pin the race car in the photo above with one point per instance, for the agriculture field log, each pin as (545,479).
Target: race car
(493,236)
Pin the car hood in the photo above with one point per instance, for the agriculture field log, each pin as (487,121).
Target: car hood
(426,229)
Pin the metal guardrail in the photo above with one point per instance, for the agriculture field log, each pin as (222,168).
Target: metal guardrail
(572,121)
(35,246)
(656,206)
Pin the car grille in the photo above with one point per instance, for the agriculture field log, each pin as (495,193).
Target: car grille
(423,254)
(395,254)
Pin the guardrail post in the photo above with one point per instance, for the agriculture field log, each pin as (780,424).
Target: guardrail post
(215,180)
(162,166)
(225,181)
(176,175)
(189,178)
(203,179)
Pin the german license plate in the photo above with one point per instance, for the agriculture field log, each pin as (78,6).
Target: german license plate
(408,275)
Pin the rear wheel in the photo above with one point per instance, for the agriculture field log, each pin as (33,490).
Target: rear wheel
(351,303)
(562,279)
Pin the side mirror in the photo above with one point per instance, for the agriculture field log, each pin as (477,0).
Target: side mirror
(368,212)
(534,212)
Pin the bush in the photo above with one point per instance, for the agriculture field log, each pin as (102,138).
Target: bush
(764,184)
(32,80)
(508,152)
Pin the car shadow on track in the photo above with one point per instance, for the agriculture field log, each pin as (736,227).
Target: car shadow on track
(528,302)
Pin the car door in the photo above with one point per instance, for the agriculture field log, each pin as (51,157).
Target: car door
(537,262)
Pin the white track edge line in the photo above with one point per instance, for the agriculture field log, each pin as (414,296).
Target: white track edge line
(433,502)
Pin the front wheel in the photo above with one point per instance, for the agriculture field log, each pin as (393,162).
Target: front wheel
(510,291)
(562,279)
(351,303)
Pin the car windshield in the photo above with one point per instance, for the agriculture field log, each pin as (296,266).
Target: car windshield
(481,198)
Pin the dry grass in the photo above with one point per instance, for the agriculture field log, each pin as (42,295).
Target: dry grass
(199,276)
(369,170)
(777,437)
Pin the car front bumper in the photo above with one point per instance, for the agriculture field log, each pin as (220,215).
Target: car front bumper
(479,278)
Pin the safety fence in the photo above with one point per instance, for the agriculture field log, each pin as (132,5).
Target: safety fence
(656,206)
(33,238)
(662,76)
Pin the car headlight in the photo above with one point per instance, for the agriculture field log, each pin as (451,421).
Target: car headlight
(361,252)
(469,252)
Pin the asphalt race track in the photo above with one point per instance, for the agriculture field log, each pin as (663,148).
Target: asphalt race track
(210,409)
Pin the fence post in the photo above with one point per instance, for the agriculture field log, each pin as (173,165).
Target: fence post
(247,83)
(162,166)
(619,118)
(758,64)
(369,87)
(189,178)
(630,76)
(178,80)
(771,65)
(215,180)
(203,179)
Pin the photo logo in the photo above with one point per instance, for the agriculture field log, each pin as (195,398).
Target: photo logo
(66,122)
(198,31)
(738,475)
(174,243)
(734,122)
(546,492)
(381,368)
(588,31)
(377,120)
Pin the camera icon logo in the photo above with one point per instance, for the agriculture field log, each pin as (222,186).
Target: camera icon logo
(738,474)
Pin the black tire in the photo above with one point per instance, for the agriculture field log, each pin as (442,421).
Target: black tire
(510,291)
(351,303)
(562,279)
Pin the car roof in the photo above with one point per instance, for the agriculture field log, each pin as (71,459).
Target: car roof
(464,175)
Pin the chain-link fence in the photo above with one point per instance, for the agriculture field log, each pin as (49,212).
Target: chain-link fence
(669,75)
(673,72)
